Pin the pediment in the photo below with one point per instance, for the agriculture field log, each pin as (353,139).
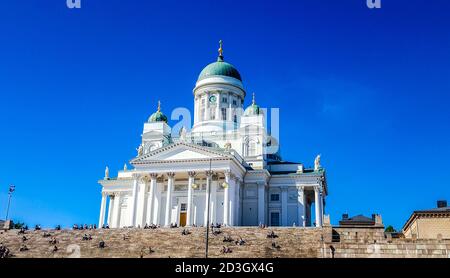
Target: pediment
(180,151)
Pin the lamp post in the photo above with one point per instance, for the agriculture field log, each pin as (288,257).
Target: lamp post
(12,188)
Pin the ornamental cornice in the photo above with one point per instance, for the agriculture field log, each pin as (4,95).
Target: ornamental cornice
(178,161)
(174,145)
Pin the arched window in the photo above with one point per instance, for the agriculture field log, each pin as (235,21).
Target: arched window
(250,147)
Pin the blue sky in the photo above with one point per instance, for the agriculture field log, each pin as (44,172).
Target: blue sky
(368,89)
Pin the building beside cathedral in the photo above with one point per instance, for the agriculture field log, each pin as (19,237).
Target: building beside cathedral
(227,159)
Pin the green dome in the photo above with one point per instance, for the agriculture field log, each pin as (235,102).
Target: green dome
(253,109)
(158,116)
(220,68)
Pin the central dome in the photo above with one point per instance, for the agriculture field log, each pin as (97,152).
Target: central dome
(219,68)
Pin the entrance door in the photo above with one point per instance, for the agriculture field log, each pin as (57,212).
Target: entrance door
(182,219)
(275,218)
(183,214)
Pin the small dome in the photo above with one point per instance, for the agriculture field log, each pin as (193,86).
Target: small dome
(253,109)
(219,68)
(158,116)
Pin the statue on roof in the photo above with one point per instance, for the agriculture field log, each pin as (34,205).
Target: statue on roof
(182,134)
(227,146)
(106,173)
(317,163)
(140,150)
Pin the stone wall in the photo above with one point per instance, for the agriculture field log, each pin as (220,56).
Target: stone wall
(373,243)
(291,242)
(429,227)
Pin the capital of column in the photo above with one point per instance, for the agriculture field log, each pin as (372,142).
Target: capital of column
(144,178)
(191,174)
(154,176)
(170,174)
(136,176)
(104,194)
(236,179)
(209,174)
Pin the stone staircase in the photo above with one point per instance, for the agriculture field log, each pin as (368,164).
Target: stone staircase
(166,242)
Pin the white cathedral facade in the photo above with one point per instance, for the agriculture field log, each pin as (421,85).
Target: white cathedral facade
(225,161)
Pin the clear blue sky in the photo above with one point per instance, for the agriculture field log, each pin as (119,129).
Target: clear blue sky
(368,89)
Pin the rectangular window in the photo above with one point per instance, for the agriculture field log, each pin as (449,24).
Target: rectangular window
(234,102)
(224,113)
(275,218)
(235,119)
(183,207)
(224,100)
(275,197)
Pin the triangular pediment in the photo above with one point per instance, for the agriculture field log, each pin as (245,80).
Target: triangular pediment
(181,151)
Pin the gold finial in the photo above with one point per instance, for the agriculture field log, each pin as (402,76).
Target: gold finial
(253,99)
(159,106)
(220,48)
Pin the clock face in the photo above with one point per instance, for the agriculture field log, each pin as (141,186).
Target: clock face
(212,99)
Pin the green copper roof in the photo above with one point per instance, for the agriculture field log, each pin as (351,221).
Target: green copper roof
(253,109)
(219,68)
(158,116)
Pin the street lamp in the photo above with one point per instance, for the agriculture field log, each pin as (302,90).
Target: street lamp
(12,188)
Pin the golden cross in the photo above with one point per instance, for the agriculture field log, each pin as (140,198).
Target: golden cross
(220,48)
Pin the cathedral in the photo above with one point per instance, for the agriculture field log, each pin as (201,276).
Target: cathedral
(227,167)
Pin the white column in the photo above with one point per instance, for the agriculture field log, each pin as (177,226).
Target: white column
(207,195)
(110,206)
(301,207)
(115,223)
(261,203)
(167,219)
(207,107)
(230,109)
(213,208)
(157,204)
(189,217)
(134,196)
(151,198)
(102,211)
(218,100)
(241,200)
(140,210)
(284,206)
(232,201)
(196,108)
(226,199)
(317,206)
